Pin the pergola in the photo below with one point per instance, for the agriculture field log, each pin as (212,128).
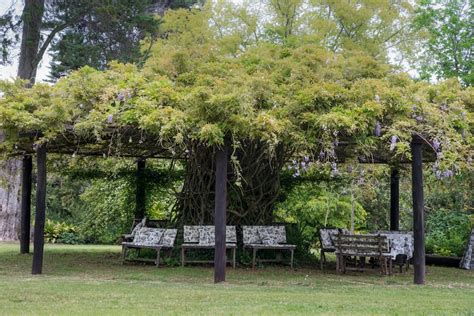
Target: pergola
(148,147)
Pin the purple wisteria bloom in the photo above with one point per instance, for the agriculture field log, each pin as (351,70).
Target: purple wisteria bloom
(378,129)
(121,97)
(393,142)
(436,144)
(110,119)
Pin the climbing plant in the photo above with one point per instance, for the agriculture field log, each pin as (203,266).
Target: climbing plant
(272,101)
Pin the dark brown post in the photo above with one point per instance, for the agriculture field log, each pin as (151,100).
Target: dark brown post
(418,211)
(25,204)
(140,197)
(394,199)
(220,214)
(40,210)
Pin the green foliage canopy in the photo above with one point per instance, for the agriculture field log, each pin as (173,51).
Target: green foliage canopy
(196,87)
(448,47)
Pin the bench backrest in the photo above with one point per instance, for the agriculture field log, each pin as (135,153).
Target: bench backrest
(264,235)
(155,237)
(145,222)
(327,237)
(362,245)
(205,234)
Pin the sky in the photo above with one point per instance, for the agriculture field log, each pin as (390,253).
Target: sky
(9,71)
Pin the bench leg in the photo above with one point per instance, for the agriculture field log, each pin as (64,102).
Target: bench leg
(233,257)
(338,259)
(124,254)
(158,257)
(254,257)
(182,257)
(321,256)
(291,262)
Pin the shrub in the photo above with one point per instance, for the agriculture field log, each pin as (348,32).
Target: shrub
(447,232)
(60,232)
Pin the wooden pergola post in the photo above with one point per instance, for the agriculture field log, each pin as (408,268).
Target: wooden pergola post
(418,210)
(394,199)
(220,214)
(25,204)
(140,196)
(40,210)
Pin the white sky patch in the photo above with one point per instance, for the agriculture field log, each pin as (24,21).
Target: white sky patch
(9,71)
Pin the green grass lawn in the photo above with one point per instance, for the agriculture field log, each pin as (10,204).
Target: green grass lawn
(92,280)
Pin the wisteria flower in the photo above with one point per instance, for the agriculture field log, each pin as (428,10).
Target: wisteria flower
(121,97)
(378,129)
(393,142)
(436,144)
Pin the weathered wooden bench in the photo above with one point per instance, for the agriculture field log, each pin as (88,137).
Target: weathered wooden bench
(149,238)
(362,246)
(203,237)
(266,237)
(145,222)
(327,237)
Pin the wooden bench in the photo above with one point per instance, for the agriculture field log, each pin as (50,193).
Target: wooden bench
(327,237)
(145,222)
(266,237)
(362,246)
(203,237)
(149,238)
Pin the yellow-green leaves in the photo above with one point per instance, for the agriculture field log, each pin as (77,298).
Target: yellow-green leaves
(211,134)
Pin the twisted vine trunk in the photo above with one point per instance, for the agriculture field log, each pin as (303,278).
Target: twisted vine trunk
(251,203)
(10,178)
(10,199)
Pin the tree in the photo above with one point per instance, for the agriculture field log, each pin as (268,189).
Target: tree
(448,48)
(27,65)
(106,29)
(274,101)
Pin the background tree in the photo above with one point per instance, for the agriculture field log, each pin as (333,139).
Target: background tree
(82,32)
(448,48)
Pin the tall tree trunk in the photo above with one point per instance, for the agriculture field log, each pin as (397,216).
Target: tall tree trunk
(31,35)
(10,177)
(10,199)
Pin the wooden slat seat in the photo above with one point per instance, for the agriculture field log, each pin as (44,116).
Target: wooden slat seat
(327,237)
(350,245)
(266,237)
(149,238)
(203,237)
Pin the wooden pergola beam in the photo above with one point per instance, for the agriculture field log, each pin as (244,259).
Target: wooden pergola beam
(418,210)
(25,217)
(220,214)
(140,194)
(394,199)
(40,215)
